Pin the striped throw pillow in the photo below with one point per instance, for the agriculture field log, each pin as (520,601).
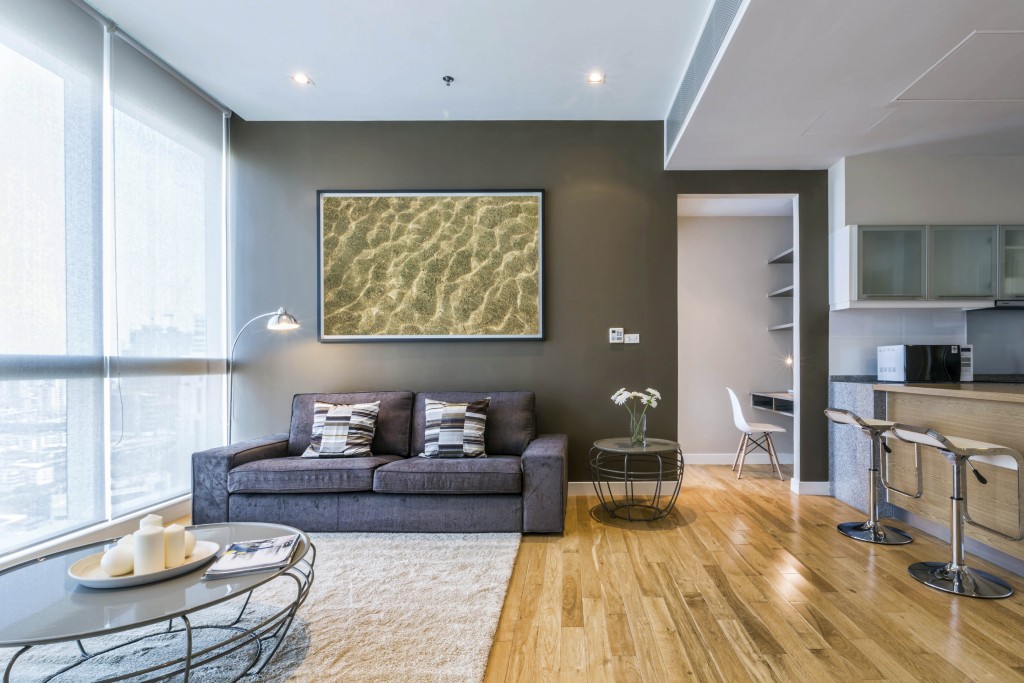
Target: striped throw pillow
(455,430)
(342,431)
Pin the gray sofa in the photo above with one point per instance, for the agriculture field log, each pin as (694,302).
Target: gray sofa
(521,486)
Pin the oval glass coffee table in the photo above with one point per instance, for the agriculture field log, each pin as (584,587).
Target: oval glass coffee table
(42,605)
(656,469)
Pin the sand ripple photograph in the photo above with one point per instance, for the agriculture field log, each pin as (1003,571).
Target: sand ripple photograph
(430,265)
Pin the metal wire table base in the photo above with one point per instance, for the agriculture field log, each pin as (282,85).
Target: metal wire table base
(615,467)
(265,636)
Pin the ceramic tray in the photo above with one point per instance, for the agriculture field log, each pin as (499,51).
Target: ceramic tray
(87,570)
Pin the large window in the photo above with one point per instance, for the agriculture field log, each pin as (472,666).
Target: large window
(111,276)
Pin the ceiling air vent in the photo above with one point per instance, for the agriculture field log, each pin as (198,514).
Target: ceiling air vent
(716,28)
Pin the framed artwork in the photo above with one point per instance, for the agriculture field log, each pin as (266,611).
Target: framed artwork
(430,265)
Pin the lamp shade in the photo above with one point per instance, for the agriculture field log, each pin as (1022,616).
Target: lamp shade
(282,320)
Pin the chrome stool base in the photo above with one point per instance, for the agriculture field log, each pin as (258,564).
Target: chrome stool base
(967,581)
(874,533)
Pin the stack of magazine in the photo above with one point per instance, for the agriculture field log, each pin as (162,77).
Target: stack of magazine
(248,557)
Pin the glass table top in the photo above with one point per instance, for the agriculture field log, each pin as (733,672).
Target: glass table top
(40,603)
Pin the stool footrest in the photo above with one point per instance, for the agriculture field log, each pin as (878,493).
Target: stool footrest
(874,533)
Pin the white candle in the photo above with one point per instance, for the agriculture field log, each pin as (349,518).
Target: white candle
(117,561)
(149,550)
(190,543)
(151,520)
(174,546)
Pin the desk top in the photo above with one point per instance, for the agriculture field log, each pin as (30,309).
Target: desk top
(1012,393)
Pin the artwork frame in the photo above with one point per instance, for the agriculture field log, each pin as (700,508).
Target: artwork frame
(431,265)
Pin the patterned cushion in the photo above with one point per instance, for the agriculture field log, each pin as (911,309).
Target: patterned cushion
(454,430)
(342,431)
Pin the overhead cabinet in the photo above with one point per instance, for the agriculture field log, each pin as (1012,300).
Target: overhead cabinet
(891,262)
(1011,262)
(922,266)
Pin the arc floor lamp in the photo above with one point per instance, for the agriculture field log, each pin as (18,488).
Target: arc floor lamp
(280,321)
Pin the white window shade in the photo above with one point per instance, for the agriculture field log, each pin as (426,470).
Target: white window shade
(51,382)
(112,361)
(169,261)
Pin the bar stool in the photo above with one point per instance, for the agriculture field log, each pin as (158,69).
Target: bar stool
(955,576)
(872,531)
(764,442)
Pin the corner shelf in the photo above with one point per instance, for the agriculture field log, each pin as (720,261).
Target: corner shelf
(783,326)
(784,292)
(784,257)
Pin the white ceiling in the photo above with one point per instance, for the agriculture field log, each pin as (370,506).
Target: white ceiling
(805,82)
(384,59)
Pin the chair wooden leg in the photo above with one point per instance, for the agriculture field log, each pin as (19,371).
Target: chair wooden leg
(743,455)
(773,455)
(742,447)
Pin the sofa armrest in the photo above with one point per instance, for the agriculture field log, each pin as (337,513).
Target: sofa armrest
(545,483)
(210,473)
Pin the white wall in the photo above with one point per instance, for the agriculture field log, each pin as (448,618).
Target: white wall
(724,315)
(892,188)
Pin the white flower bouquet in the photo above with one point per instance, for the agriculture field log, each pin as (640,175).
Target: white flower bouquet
(637,403)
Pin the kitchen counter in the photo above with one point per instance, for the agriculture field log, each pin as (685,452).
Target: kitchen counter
(991,412)
(1013,393)
(983,412)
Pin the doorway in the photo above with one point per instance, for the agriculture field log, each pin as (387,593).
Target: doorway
(738,313)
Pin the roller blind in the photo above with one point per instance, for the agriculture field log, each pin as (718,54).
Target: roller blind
(111,355)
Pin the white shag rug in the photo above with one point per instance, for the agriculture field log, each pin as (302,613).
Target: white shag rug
(383,607)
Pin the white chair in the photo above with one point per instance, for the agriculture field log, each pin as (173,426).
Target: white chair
(749,429)
(955,576)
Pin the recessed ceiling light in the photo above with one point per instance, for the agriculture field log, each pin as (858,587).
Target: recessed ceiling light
(302,79)
(595,78)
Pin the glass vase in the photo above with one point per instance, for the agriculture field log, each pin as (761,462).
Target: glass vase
(638,430)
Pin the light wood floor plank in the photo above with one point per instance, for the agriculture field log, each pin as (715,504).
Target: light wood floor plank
(744,581)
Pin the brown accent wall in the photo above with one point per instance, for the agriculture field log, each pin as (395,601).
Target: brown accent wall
(609,260)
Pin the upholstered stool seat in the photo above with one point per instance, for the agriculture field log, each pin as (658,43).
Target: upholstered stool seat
(871,530)
(955,576)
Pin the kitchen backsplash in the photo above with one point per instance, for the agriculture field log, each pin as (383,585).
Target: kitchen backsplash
(998,339)
(855,334)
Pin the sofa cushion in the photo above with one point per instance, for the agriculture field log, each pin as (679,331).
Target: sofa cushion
(454,430)
(342,431)
(393,418)
(511,425)
(498,474)
(307,475)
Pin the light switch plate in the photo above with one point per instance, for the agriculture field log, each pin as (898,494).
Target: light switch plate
(615,335)
(632,339)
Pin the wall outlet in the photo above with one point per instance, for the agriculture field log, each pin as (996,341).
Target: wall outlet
(615,335)
(632,338)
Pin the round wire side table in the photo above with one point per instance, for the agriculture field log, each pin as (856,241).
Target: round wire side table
(617,464)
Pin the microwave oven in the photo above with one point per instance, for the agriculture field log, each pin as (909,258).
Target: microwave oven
(926,363)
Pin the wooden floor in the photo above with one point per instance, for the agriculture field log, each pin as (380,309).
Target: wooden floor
(745,581)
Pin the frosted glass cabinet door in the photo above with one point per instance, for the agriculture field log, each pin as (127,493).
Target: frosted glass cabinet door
(1013,262)
(891,262)
(962,262)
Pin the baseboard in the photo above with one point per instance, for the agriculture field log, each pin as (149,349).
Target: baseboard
(728,458)
(122,526)
(810,488)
